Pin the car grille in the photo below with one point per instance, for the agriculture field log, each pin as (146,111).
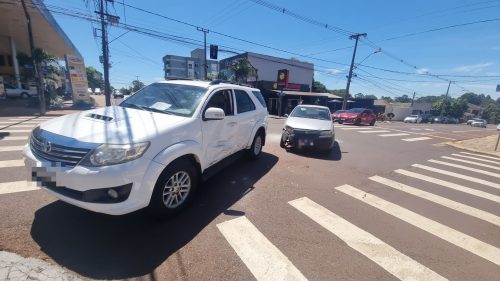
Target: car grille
(59,154)
(306,132)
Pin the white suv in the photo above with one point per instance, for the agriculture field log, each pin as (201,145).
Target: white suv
(151,150)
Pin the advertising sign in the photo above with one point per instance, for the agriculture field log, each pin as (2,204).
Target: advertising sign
(282,80)
(77,78)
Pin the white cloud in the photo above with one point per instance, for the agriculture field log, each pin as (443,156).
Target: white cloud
(473,67)
(422,70)
(334,71)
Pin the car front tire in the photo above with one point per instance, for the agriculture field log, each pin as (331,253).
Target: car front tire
(256,148)
(25,95)
(174,188)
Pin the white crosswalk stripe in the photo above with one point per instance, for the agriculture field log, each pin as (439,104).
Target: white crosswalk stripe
(263,259)
(417,139)
(457,175)
(11,163)
(390,259)
(10,131)
(356,128)
(451,185)
(394,135)
(444,232)
(476,158)
(480,214)
(481,155)
(17,186)
(471,162)
(21,126)
(375,131)
(11,148)
(496,175)
(15,138)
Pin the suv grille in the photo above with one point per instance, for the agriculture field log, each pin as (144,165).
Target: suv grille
(63,155)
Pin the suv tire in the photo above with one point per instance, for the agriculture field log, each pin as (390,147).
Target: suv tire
(25,95)
(174,189)
(256,148)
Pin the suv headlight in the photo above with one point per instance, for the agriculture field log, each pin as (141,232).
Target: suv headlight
(288,129)
(112,154)
(327,133)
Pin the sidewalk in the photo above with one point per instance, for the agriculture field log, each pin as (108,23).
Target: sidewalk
(25,107)
(15,267)
(485,145)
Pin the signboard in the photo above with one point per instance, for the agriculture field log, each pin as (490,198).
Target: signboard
(282,80)
(77,78)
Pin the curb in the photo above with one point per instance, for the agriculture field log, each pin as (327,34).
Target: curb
(492,153)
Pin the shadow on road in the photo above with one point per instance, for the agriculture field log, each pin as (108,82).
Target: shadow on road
(335,154)
(117,247)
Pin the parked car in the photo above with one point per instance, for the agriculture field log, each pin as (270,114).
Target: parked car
(358,116)
(309,126)
(427,118)
(498,127)
(472,120)
(336,115)
(150,151)
(478,123)
(14,92)
(413,119)
(446,120)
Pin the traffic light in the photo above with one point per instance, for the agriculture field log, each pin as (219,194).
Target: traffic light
(213,51)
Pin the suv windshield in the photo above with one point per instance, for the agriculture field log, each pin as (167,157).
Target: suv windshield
(167,98)
(311,112)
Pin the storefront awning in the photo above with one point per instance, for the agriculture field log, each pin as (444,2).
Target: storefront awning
(47,34)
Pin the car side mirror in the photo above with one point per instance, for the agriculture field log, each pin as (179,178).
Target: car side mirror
(214,113)
(286,115)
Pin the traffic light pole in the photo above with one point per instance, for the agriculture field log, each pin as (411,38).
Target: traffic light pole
(105,55)
(349,77)
(205,31)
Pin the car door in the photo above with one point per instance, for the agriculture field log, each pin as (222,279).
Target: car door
(247,116)
(220,136)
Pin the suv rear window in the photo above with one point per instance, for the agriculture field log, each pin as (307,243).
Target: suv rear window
(243,101)
(259,96)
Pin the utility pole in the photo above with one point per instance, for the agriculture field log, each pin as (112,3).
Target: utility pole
(355,36)
(205,66)
(105,53)
(36,66)
(413,98)
(445,98)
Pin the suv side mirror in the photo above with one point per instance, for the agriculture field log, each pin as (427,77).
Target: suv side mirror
(214,113)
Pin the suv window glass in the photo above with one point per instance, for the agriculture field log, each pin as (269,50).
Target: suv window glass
(259,97)
(166,98)
(243,101)
(223,100)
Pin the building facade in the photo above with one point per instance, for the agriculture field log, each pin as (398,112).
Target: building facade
(189,67)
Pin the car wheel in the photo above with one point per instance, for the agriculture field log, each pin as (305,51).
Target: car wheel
(256,148)
(358,122)
(372,123)
(174,188)
(25,95)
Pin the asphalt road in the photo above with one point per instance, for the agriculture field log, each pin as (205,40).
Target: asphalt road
(375,208)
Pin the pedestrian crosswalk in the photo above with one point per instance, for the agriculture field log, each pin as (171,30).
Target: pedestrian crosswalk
(266,262)
(386,133)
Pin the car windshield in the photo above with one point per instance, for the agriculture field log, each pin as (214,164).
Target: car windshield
(355,110)
(340,111)
(311,112)
(167,98)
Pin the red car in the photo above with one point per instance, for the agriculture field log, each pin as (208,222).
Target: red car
(336,115)
(358,116)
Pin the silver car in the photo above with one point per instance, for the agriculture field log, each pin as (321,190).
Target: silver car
(478,123)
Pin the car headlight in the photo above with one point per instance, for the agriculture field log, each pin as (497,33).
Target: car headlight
(112,154)
(327,133)
(288,129)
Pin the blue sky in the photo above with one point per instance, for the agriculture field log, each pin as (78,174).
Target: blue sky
(472,50)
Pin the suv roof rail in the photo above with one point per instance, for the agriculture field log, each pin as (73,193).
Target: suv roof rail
(178,78)
(219,81)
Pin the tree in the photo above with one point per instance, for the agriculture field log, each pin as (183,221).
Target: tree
(125,91)
(136,86)
(338,92)
(387,99)
(359,96)
(471,98)
(491,113)
(430,99)
(94,78)
(318,87)
(403,99)
(242,69)
(452,107)
(372,97)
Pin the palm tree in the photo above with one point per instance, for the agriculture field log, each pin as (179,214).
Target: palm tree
(242,69)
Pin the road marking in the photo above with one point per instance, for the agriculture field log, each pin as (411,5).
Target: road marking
(468,190)
(459,207)
(18,126)
(471,162)
(14,131)
(390,259)
(11,163)
(14,138)
(444,232)
(394,135)
(480,155)
(10,148)
(417,139)
(356,128)
(263,259)
(374,131)
(17,186)
(457,175)
(466,131)
(479,171)
(476,158)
